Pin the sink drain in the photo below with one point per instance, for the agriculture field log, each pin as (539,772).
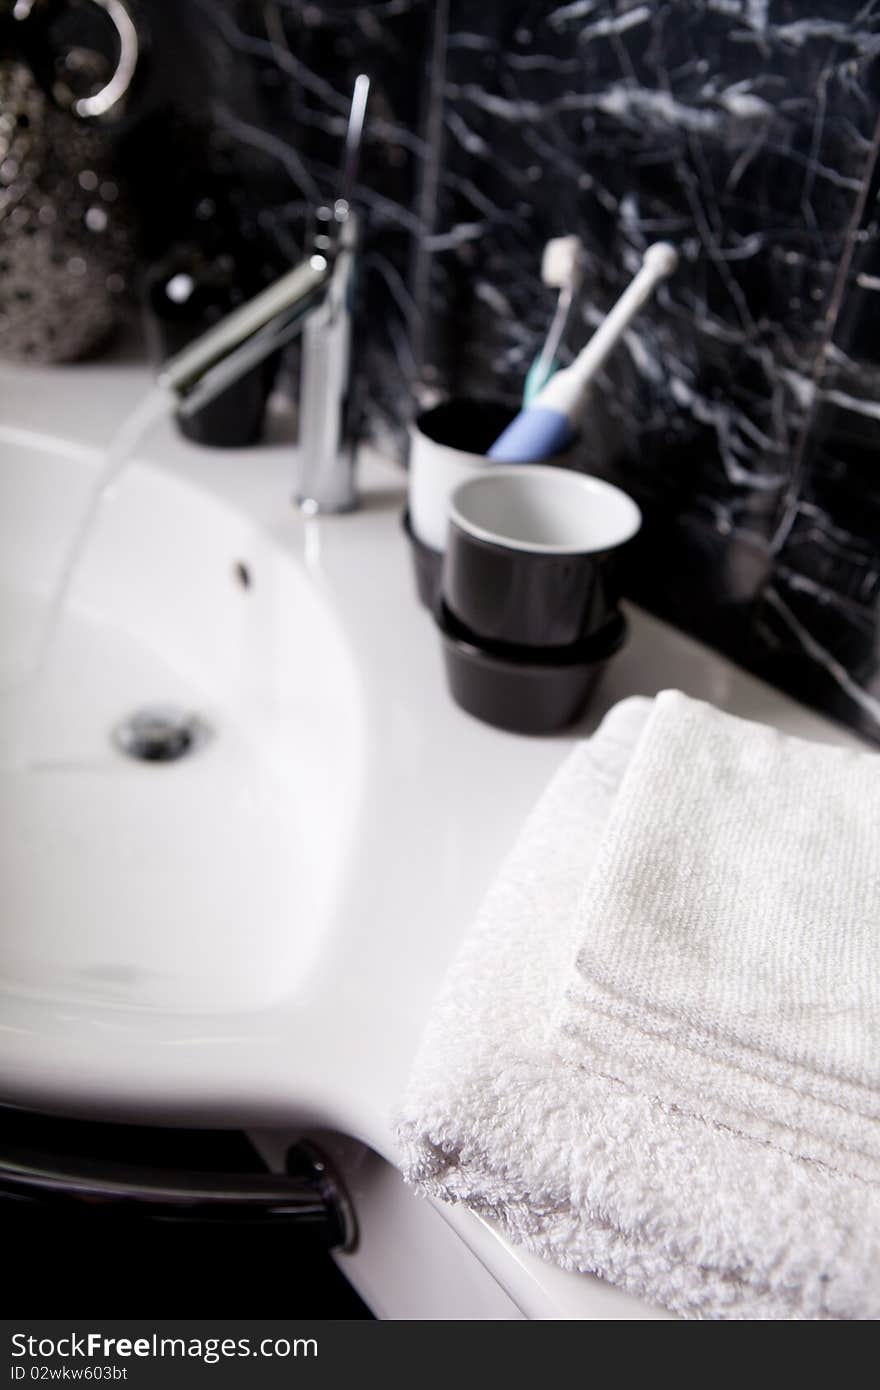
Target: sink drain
(159,734)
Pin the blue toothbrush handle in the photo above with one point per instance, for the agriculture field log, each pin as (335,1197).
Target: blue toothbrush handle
(537,433)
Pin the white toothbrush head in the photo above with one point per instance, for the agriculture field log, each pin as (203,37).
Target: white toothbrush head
(562,264)
(661,259)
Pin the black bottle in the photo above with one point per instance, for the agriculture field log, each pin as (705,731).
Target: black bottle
(186,294)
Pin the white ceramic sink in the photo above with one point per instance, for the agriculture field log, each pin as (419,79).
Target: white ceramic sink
(252,936)
(199,886)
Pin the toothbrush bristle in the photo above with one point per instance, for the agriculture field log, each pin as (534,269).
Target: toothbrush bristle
(562,262)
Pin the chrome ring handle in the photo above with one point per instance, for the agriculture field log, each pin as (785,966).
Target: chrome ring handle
(309,1197)
(100,102)
(112,93)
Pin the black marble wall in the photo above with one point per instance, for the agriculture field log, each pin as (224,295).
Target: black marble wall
(743,409)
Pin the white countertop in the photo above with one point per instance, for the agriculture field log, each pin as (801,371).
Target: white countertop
(448,795)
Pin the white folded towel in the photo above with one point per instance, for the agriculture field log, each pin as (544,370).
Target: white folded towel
(657,1055)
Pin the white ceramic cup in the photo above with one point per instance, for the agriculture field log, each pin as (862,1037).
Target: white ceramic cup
(448,446)
(546,511)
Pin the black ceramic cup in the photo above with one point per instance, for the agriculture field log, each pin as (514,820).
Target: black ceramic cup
(533,554)
(526,693)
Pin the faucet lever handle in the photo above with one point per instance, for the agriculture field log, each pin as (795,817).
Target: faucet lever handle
(351,154)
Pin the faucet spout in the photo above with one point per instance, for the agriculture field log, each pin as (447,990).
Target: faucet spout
(218,357)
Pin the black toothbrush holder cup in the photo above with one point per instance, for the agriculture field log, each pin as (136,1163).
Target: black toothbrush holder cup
(528,610)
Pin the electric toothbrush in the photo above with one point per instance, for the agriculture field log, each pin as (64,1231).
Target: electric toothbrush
(549,424)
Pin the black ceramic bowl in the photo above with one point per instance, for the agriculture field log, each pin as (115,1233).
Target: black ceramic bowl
(427,565)
(533,554)
(524,692)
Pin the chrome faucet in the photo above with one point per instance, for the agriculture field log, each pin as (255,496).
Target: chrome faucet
(314,300)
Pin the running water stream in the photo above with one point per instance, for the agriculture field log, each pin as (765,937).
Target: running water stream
(27,701)
(119,450)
